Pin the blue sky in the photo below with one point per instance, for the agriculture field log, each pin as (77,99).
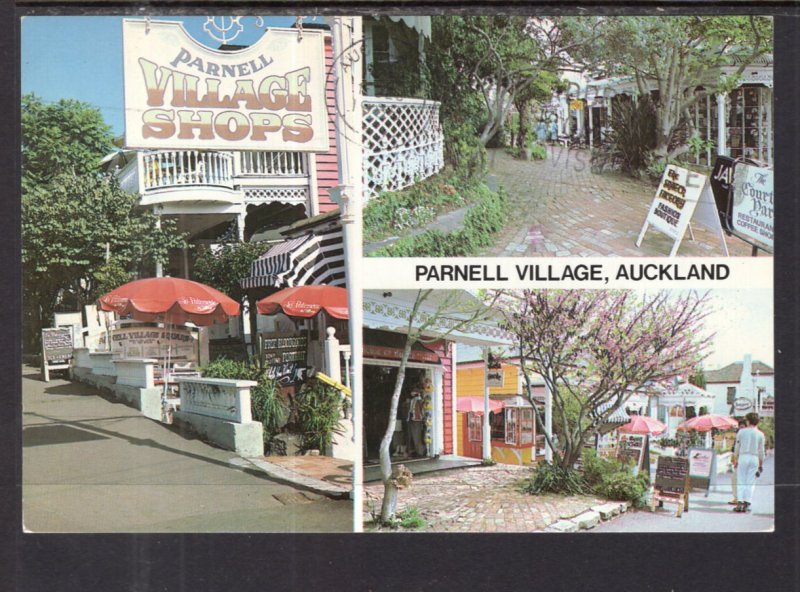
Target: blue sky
(80,57)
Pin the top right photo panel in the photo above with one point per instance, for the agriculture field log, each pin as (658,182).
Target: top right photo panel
(512,136)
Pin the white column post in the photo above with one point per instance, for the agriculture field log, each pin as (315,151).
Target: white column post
(722,148)
(548,423)
(346,33)
(487,434)
(240,219)
(332,366)
(437,443)
(591,125)
(454,395)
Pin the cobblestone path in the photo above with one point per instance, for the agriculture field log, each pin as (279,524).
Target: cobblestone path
(481,499)
(559,208)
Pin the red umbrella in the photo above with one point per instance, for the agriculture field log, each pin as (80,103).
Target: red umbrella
(475,405)
(705,423)
(172,300)
(641,424)
(306,302)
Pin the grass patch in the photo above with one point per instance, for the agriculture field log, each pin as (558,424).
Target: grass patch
(487,216)
(410,519)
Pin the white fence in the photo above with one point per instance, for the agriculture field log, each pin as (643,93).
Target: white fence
(172,168)
(403,143)
(271,164)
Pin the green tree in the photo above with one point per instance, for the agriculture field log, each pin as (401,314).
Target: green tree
(81,233)
(674,56)
(225,267)
(66,136)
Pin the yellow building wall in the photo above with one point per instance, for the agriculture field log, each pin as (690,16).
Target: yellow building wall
(512,456)
(470,382)
(460,434)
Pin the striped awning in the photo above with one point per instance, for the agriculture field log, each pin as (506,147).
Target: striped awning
(312,259)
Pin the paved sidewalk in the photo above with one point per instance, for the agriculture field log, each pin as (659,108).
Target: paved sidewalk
(329,476)
(560,208)
(92,464)
(482,499)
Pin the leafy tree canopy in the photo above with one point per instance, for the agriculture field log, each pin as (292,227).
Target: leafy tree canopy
(66,136)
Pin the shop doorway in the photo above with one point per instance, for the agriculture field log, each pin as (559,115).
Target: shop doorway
(472,435)
(379,384)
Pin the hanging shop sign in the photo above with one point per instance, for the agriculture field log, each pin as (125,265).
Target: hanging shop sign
(682,197)
(396,353)
(742,405)
(495,375)
(179,344)
(181,94)
(57,348)
(284,355)
(752,205)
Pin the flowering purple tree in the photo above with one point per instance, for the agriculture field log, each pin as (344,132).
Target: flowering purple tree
(594,349)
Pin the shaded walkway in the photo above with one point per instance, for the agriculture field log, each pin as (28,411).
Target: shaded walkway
(560,208)
(92,464)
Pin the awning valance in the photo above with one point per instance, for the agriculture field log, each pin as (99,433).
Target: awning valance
(312,259)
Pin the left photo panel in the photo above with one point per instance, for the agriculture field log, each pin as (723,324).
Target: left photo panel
(189,187)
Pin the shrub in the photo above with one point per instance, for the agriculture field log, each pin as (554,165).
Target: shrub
(550,478)
(319,412)
(269,407)
(612,479)
(410,519)
(538,152)
(230,369)
(767,425)
(632,138)
(486,217)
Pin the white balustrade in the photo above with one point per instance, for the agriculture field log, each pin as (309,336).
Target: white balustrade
(175,168)
(403,143)
(272,164)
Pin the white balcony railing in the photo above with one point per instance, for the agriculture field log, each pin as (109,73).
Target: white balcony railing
(403,143)
(177,168)
(272,164)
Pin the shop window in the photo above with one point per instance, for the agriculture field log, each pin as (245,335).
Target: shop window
(750,123)
(519,426)
(474,427)
(676,411)
(731,394)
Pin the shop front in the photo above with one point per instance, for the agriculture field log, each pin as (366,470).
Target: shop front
(430,375)
(512,421)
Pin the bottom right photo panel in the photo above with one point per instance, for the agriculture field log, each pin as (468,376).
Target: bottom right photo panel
(568,411)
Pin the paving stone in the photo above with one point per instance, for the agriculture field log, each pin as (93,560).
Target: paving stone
(563,526)
(587,520)
(607,511)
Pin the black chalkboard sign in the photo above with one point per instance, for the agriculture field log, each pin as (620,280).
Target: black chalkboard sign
(672,475)
(57,345)
(230,349)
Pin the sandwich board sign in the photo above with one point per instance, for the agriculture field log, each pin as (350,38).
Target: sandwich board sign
(702,467)
(682,197)
(752,207)
(57,346)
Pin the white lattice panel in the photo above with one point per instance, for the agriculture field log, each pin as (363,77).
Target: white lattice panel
(293,195)
(403,143)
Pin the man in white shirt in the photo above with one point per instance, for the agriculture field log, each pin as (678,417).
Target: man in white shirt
(748,458)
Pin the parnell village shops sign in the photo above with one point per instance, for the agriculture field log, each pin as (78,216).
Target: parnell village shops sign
(181,94)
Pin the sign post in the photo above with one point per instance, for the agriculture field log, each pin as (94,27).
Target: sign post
(682,197)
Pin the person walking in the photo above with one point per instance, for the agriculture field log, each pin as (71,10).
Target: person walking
(735,500)
(749,459)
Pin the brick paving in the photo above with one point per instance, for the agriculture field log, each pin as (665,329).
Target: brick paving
(561,209)
(481,499)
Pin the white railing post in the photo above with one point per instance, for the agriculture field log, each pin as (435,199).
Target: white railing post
(332,367)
